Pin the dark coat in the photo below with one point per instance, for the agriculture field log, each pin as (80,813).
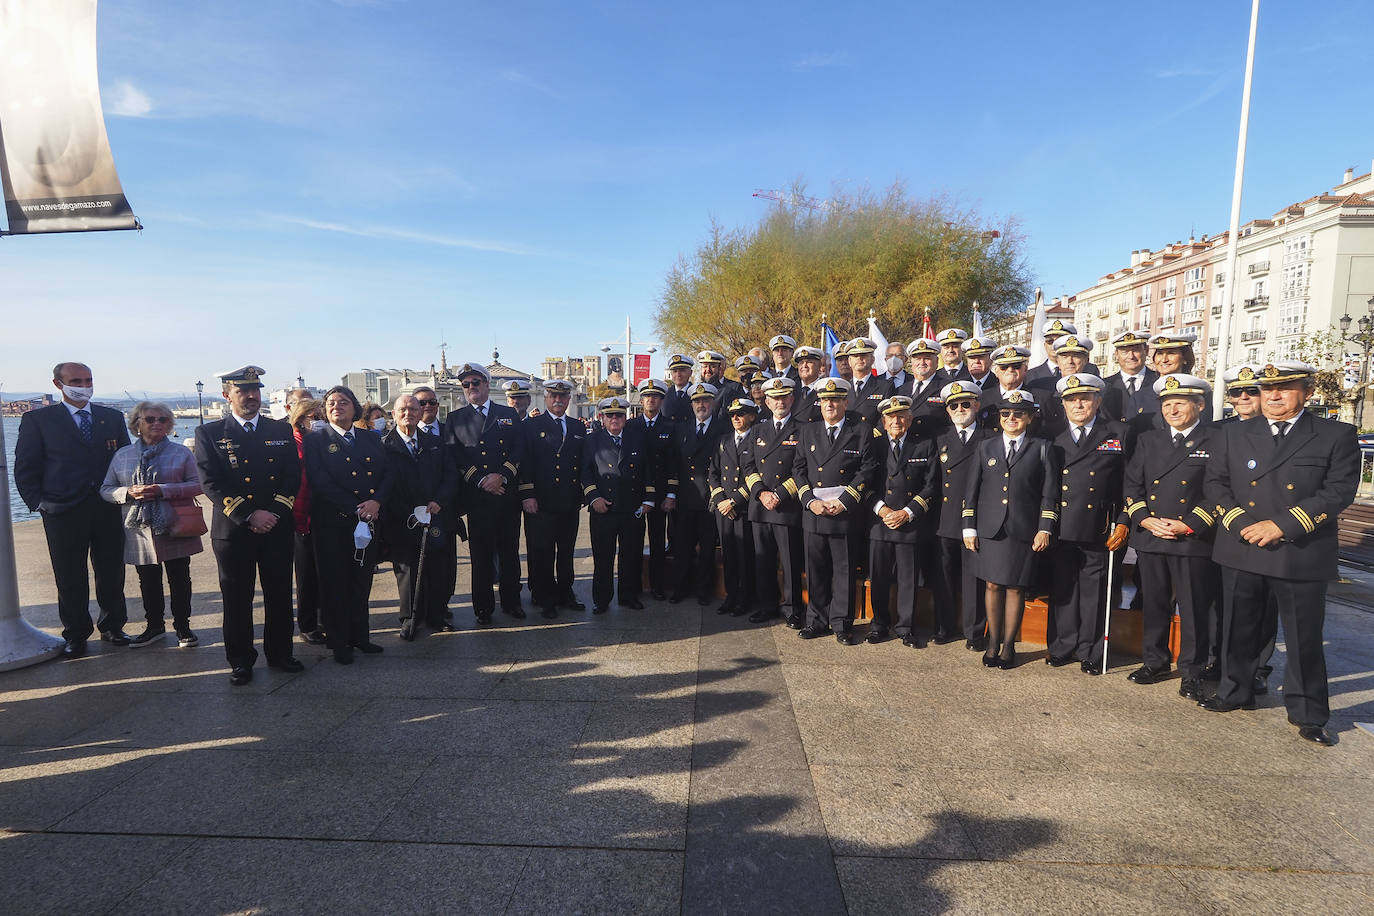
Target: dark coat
(905,480)
(481,446)
(1302,485)
(551,471)
(928,415)
(693,455)
(770,466)
(241,473)
(960,373)
(956,462)
(1167,481)
(727,392)
(1140,414)
(54,468)
(616,475)
(1014,499)
(677,405)
(727,473)
(1090,480)
(417,480)
(851,462)
(869,392)
(342,475)
(661,478)
(1048,370)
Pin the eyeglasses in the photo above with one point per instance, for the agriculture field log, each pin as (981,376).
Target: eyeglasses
(157,419)
(473,384)
(1009,414)
(962,405)
(427,402)
(1245,392)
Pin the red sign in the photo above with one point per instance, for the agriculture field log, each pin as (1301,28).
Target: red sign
(641,368)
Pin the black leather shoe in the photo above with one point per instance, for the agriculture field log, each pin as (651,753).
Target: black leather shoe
(74,648)
(676,598)
(599,609)
(796,621)
(517,612)
(877,635)
(344,656)
(1093,668)
(1191,689)
(367,648)
(846,638)
(573,604)
(290,666)
(740,610)
(549,613)
(991,661)
(911,641)
(313,637)
(813,631)
(1260,687)
(944,639)
(703,600)
(1211,673)
(1317,735)
(408,631)
(763,615)
(444,628)
(115,637)
(240,676)
(977,644)
(1217,704)
(726,606)
(484,618)
(658,595)
(633,604)
(1059,661)
(1006,664)
(1147,675)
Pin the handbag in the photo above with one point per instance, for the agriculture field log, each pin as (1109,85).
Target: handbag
(188,520)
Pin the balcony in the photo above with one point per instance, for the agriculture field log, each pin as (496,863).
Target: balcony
(1252,336)
(1099,335)
(1194,286)
(1216,310)
(1298,255)
(1258,302)
(1123,307)
(1212,342)
(1191,315)
(1257,269)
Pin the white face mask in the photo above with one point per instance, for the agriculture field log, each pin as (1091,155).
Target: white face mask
(362,535)
(78,395)
(379,424)
(894,365)
(317,425)
(421,514)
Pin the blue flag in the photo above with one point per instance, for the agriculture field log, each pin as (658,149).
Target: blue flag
(832,341)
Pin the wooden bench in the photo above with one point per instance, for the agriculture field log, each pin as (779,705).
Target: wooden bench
(1356,535)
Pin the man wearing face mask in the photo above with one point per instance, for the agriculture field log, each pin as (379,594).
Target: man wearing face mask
(250,471)
(894,363)
(60,460)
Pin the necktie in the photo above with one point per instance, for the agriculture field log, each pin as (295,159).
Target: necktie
(701,430)
(1130,385)
(1082,435)
(739,437)
(834,431)
(1281,430)
(83,417)
(616,440)
(778,425)
(482,411)
(963,436)
(1178,439)
(348,436)
(248,427)
(563,430)
(1011,449)
(414,448)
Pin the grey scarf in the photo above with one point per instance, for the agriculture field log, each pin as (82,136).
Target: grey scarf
(149,513)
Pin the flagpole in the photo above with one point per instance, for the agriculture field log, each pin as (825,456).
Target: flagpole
(1228,294)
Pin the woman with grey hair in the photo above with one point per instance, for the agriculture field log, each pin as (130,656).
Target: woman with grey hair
(150,476)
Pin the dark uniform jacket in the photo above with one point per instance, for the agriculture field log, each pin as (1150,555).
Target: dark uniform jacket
(959,373)
(851,462)
(661,477)
(693,455)
(1052,421)
(727,392)
(928,415)
(616,475)
(54,468)
(241,473)
(481,446)
(418,480)
(343,474)
(677,405)
(1014,499)
(1048,370)
(956,461)
(1140,413)
(770,466)
(1167,481)
(905,480)
(869,392)
(1301,484)
(551,471)
(727,473)
(805,405)
(1090,480)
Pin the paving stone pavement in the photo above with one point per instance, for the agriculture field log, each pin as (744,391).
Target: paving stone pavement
(668,760)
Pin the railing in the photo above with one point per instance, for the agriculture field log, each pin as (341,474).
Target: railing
(1194,286)
(1100,335)
(1251,336)
(1216,310)
(1298,254)
(1259,267)
(1258,302)
(1192,315)
(1212,342)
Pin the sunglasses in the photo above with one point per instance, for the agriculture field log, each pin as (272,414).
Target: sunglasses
(962,405)
(157,419)
(1009,414)
(1245,392)
(427,402)
(473,384)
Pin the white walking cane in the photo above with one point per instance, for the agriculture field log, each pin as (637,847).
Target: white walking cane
(1107,630)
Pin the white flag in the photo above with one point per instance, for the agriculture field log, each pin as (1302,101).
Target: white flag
(977,321)
(1037,337)
(877,337)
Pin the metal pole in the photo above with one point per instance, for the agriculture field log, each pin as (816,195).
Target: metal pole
(200,406)
(1228,296)
(1363,386)
(1107,627)
(21,644)
(626,368)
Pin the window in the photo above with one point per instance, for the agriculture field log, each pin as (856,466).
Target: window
(1259,288)
(1293,317)
(1145,318)
(1193,306)
(1295,281)
(1147,295)
(1297,248)
(1170,287)
(1193,279)
(1252,354)
(1166,315)
(1220,279)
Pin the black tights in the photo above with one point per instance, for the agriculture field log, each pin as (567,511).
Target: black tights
(1005,606)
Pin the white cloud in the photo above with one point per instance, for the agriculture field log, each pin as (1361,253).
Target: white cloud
(125,100)
(821,60)
(410,235)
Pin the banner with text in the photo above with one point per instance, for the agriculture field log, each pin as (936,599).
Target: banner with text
(55,161)
(641,368)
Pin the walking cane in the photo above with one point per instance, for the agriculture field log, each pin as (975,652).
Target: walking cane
(1107,630)
(419,578)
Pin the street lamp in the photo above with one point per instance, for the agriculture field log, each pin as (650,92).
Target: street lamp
(1365,338)
(630,343)
(200,409)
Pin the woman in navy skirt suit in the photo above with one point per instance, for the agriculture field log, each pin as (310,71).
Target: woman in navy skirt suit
(1010,513)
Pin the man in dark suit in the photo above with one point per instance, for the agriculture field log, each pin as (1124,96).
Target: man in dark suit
(424,477)
(928,416)
(774,513)
(677,403)
(978,361)
(694,538)
(251,473)
(1279,486)
(488,448)
(1071,353)
(660,480)
(901,529)
(1171,527)
(809,363)
(730,500)
(952,368)
(894,366)
(1051,369)
(869,390)
(956,446)
(614,462)
(551,497)
(60,459)
(748,367)
(836,461)
(727,390)
(782,347)
(1092,457)
(1130,393)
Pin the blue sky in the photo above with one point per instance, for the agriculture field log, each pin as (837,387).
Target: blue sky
(332,185)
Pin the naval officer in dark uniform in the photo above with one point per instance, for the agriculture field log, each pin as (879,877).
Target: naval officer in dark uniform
(956,448)
(661,479)
(730,500)
(249,470)
(809,363)
(677,403)
(783,346)
(614,485)
(694,534)
(774,512)
(1130,393)
(551,497)
(869,390)
(836,462)
(928,416)
(952,368)
(1171,528)
(488,447)
(727,390)
(1278,487)
(901,530)
(978,361)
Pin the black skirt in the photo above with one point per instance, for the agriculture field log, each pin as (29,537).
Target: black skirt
(1005,561)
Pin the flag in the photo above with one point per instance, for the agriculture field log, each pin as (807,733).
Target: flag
(880,354)
(927,329)
(832,341)
(977,321)
(1037,336)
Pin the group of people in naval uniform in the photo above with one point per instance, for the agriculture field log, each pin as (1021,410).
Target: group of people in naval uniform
(958,469)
